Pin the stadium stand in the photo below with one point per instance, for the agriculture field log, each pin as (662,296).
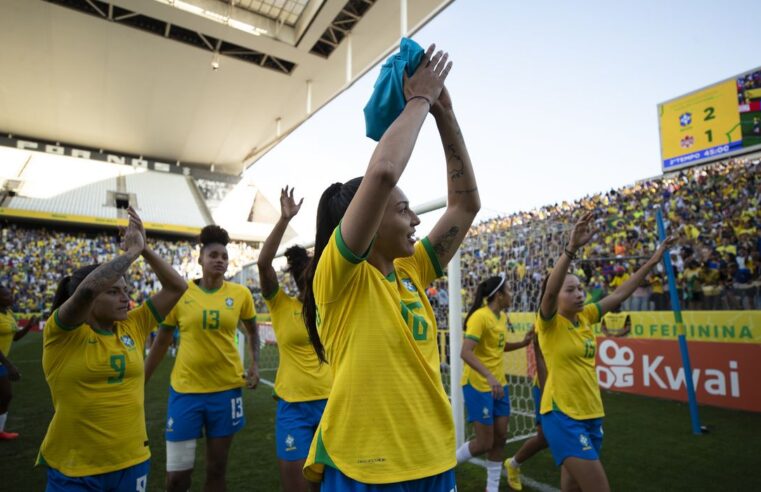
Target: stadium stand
(155,189)
(33,259)
(718,262)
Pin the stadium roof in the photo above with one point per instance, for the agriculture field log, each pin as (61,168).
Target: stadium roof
(135,76)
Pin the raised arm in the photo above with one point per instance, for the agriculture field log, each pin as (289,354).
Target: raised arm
(288,210)
(626,289)
(463,201)
(74,311)
(172,284)
(581,234)
(362,218)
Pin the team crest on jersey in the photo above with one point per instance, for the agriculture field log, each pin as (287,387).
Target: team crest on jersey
(127,341)
(584,440)
(289,443)
(409,285)
(229,302)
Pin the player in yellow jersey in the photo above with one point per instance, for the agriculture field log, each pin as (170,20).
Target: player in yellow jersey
(484,380)
(302,384)
(571,404)
(93,362)
(205,391)
(388,419)
(9,333)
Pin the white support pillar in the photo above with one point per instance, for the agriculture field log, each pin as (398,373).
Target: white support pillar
(403,17)
(309,97)
(349,57)
(455,346)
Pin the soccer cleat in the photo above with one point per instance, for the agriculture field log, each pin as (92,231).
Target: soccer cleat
(8,436)
(513,476)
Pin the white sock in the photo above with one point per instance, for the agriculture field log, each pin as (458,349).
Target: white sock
(514,463)
(463,453)
(493,474)
(3,418)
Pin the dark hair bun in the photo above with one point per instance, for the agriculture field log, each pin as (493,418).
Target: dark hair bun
(213,234)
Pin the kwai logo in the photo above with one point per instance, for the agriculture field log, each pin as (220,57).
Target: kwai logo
(714,380)
(619,374)
(619,367)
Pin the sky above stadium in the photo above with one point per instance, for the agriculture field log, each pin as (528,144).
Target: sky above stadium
(556,100)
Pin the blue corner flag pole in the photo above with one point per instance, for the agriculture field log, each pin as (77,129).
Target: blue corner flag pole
(680,331)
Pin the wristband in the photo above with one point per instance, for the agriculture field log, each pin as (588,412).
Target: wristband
(423,98)
(569,254)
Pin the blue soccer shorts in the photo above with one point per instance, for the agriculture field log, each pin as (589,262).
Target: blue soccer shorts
(191,415)
(335,481)
(569,437)
(295,425)
(132,479)
(482,407)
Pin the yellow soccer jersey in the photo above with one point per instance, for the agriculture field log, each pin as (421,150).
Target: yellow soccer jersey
(490,333)
(569,353)
(300,376)
(8,329)
(96,380)
(388,418)
(208,359)
(415,273)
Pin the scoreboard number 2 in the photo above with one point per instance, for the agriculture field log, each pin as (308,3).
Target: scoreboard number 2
(709,111)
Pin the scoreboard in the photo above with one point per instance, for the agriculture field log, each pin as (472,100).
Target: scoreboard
(718,121)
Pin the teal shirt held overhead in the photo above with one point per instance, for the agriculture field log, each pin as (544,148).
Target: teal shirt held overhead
(387,100)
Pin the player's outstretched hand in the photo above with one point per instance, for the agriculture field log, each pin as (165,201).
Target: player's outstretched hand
(582,232)
(428,79)
(133,236)
(664,246)
(288,206)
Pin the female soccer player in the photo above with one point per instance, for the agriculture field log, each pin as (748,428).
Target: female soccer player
(205,391)
(9,333)
(93,362)
(484,384)
(388,419)
(302,384)
(571,405)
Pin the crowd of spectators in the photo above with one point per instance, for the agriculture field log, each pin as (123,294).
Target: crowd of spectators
(33,259)
(714,210)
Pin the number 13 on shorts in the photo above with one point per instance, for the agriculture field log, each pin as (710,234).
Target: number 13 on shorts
(236,406)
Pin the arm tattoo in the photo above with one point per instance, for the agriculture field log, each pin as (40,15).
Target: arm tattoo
(459,167)
(103,278)
(444,245)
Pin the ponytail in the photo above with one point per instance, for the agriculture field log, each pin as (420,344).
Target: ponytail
(485,292)
(331,209)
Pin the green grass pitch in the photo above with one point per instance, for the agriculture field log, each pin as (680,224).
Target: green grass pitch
(648,444)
